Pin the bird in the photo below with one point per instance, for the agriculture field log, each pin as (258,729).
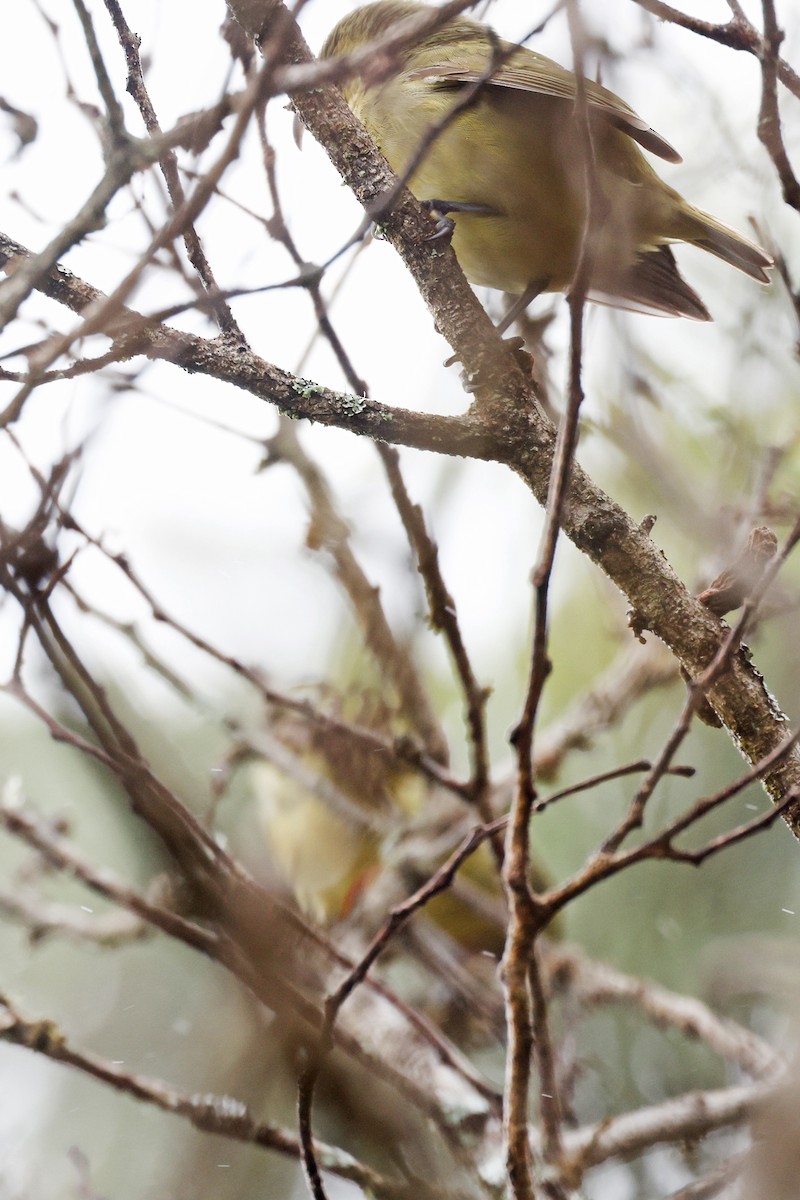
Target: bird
(337,817)
(489,136)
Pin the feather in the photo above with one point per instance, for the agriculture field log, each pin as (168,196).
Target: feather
(527,71)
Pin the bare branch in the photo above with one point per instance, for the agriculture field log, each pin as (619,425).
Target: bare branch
(169,168)
(686,1118)
(329,531)
(444,618)
(592,983)
(221,1115)
(738,34)
(769,121)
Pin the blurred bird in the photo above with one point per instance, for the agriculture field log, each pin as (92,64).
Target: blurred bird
(337,815)
(508,169)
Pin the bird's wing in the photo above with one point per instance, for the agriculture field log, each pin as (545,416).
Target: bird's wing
(531,72)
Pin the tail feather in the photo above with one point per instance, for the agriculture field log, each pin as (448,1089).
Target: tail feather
(730,246)
(653,285)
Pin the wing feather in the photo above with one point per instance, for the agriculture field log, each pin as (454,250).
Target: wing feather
(527,71)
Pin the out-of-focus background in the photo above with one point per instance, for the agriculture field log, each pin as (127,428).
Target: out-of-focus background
(695,423)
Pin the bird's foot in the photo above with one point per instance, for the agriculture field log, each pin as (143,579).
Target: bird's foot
(440,210)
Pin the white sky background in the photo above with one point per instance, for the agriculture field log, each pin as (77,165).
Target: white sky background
(221,545)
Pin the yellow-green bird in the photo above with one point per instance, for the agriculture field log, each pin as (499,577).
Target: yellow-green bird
(509,168)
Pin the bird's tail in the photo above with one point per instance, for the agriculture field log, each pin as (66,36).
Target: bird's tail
(652,285)
(725,243)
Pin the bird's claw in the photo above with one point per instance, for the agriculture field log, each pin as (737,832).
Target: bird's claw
(440,211)
(444,228)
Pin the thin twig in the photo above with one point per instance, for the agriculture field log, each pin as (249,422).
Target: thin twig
(444,618)
(169,168)
(593,983)
(737,34)
(220,1115)
(769,120)
(606,862)
(330,532)
(684,1119)
(397,919)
